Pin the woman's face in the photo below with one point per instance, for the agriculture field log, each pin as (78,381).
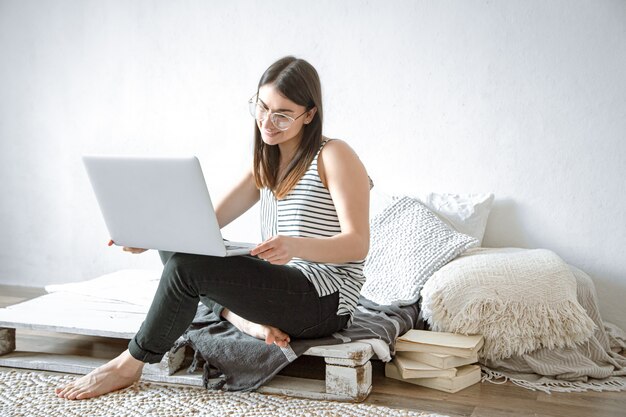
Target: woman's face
(272,101)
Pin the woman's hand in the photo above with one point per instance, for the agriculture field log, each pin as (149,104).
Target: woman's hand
(277,250)
(135,251)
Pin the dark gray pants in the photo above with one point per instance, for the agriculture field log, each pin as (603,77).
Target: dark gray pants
(275,295)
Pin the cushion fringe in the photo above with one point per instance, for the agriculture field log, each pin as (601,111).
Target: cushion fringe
(549,386)
(558,325)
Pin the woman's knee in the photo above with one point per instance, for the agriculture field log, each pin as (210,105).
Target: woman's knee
(177,274)
(191,272)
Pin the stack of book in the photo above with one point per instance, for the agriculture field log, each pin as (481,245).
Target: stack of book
(438,360)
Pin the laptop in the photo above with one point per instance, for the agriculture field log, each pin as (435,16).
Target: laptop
(158,203)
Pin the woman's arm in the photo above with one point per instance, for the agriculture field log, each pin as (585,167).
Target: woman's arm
(238,200)
(344,175)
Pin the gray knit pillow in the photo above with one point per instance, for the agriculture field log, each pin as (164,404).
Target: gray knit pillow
(408,243)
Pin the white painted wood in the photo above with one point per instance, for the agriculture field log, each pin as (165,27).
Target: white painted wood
(82,365)
(7,340)
(347,362)
(179,378)
(76,314)
(303,388)
(67,329)
(355,383)
(169,365)
(352,350)
(348,371)
(72,364)
(342,383)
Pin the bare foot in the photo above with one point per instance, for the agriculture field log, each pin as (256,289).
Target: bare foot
(116,374)
(270,334)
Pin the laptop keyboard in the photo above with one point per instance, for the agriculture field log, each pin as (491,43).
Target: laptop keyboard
(234,246)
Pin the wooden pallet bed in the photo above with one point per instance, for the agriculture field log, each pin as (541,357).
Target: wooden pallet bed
(348,367)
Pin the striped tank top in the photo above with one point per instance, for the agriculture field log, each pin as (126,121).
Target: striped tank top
(308,211)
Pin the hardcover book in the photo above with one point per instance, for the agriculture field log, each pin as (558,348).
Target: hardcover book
(410,368)
(465,376)
(438,360)
(465,346)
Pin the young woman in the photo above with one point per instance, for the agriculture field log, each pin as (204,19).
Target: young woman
(304,279)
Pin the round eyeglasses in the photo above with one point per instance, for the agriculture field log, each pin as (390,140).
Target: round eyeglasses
(279,120)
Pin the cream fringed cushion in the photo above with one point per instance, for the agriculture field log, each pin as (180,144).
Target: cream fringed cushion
(520,300)
(408,243)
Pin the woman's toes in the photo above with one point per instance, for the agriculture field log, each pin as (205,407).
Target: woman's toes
(276,336)
(83,395)
(61,392)
(269,339)
(71,395)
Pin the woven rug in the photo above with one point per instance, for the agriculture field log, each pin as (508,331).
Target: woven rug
(27,393)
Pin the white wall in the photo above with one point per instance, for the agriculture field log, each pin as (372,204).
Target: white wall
(526,99)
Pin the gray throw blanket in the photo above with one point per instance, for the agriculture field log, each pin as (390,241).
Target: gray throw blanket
(593,365)
(244,363)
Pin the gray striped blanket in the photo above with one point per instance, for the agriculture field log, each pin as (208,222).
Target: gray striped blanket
(234,361)
(593,365)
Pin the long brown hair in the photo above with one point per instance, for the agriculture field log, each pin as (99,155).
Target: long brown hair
(297,80)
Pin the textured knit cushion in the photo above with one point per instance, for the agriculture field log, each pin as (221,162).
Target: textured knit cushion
(408,243)
(465,213)
(520,300)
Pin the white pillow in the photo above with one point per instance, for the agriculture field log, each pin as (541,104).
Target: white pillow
(466,213)
(408,243)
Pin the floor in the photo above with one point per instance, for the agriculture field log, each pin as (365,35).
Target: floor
(484,400)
